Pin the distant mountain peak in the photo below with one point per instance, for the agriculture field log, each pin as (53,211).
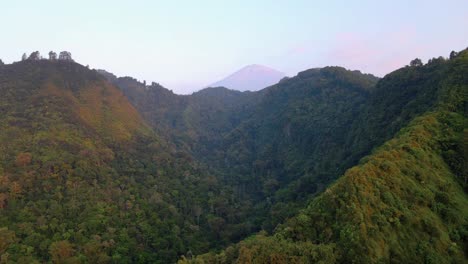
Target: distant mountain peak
(252,77)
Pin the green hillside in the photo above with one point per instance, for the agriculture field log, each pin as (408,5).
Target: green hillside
(255,143)
(279,147)
(331,165)
(83,179)
(405,190)
(404,203)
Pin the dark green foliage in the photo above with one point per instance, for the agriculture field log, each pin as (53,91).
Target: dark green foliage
(83,179)
(283,145)
(269,145)
(404,203)
(401,191)
(416,62)
(258,142)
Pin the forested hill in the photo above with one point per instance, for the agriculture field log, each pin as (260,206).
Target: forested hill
(282,145)
(406,202)
(185,119)
(83,179)
(331,165)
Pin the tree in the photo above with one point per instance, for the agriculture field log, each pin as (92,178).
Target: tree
(35,56)
(52,55)
(23,159)
(16,191)
(7,237)
(416,62)
(60,251)
(453,54)
(95,252)
(24,57)
(3,200)
(197,212)
(65,55)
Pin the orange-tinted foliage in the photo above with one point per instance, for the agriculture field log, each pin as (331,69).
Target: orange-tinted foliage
(23,159)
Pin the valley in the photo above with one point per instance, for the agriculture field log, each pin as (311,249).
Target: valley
(331,166)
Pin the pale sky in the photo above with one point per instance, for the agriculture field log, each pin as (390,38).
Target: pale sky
(187,45)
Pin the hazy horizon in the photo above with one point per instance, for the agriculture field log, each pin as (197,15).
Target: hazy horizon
(186,46)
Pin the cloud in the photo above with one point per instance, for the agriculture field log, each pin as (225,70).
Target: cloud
(351,47)
(375,53)
(299,49)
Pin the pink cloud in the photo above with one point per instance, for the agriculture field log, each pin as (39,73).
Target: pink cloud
(373,53)
(299,49)
(351,47)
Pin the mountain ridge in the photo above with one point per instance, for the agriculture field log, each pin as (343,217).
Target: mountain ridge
(330,165)
(390,104)
(404,202)
(88,178)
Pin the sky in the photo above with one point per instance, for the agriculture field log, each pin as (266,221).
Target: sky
(187,45)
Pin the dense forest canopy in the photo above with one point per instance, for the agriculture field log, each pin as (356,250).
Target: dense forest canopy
(331,165)
(84,179)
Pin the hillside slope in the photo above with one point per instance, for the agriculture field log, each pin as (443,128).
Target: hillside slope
(280,146)
(406,202)
(258,143)
(403,204)
(83,179)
